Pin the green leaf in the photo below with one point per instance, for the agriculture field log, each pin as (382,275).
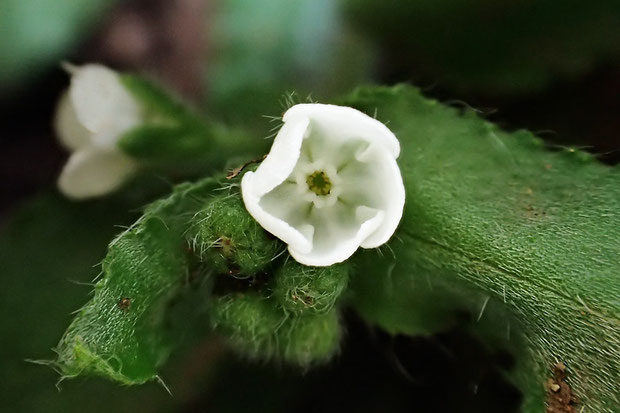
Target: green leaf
(118,334)
(523,240)
(123,333)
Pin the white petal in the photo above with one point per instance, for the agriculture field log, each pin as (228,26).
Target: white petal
(343,123)
(282,158)
(376,182)
(101,102)
(285,203)
(69,130)
(334,242)
(300,237)
(392,192)
(93,172)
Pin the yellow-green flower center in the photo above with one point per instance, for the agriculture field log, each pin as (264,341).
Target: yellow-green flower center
(319,183)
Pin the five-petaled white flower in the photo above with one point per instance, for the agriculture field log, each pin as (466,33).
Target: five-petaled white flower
(329,185)
(91,117)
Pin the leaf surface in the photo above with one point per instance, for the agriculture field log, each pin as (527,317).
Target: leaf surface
(123,333)
(524,240)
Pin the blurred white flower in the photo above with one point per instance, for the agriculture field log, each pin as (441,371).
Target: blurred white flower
(329,185)
(90,119)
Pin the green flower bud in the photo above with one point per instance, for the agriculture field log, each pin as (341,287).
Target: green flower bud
(300,289)
(230,240)
(310,339)
(249,322)
(258,328)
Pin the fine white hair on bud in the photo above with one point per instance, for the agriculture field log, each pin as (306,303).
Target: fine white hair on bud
(329,185)
(90,119)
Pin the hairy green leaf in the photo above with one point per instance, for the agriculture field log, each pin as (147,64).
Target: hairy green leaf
(122,333)
(523,239)
(47,251)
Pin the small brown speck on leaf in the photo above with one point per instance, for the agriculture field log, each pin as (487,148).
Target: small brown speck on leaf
(124,303)
(559,395)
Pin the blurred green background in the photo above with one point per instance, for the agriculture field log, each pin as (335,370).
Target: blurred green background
(548,65)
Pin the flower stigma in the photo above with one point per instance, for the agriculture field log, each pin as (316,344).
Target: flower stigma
(319,183)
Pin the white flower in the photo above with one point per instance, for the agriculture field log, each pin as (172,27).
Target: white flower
(91,117)
(329,185)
